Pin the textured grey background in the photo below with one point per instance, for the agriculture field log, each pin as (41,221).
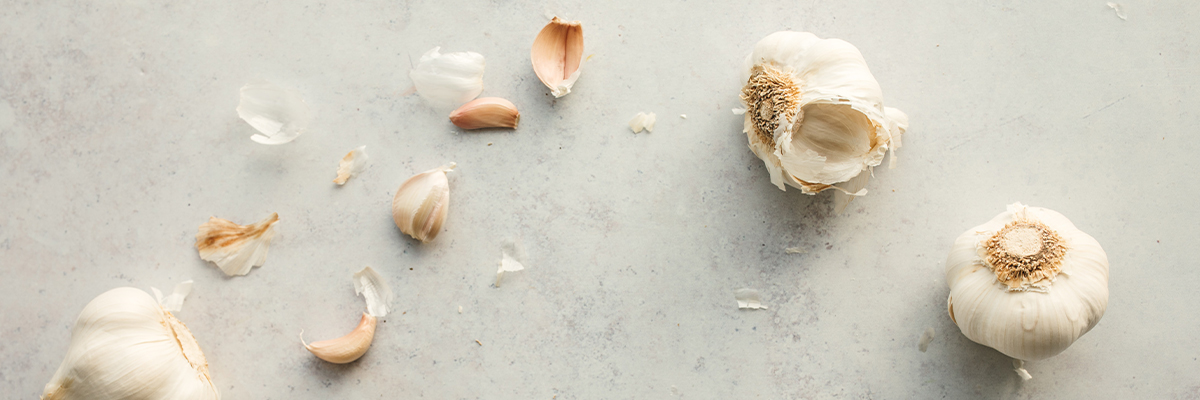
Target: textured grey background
(118,137)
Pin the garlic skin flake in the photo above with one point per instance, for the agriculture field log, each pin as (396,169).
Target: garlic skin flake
(422,202)
(174,302)
(815,115)
(557,54)
(486,112)
(352,164)
(749,299)
(126,346)
(277,112)
(642,121)
(1028,283)
(448,80)
(235,248)
(375,290)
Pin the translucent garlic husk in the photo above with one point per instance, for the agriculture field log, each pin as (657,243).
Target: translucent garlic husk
(448,80)
(278,113)
(815,114)
(126,346)
(235,249)
(1028,283)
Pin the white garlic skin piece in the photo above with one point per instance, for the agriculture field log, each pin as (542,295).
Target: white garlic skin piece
(125,346)
(1032,322)
(448,80)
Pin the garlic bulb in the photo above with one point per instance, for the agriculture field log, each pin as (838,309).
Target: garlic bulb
(277,112)
(420,205)
(486,112)
(815,114)
(1027,283)
(126,346)
(448,80)
(557,53)
(235,248)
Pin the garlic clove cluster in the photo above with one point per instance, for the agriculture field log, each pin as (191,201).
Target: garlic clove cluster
(448,80)
(126,346)
(486,112)
(235,248)
(421,203)
(815,115)
(557,53)
(1028,283)
(352,164)
(278,113)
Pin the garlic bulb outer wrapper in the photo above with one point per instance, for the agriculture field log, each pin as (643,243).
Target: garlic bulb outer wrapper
(815,113)
(1028,283)
(126,346)
(422,202)
(448,80)
(278,113)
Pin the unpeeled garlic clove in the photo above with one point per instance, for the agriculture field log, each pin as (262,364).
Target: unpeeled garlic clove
(557,53)
(420,205)
(346,348)
(486,112)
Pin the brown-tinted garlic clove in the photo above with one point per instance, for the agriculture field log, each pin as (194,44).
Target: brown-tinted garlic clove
(346,348)
(486,112)
(557,53)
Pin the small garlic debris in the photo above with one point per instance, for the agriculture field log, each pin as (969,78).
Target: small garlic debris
(642,121)
(1028,283)
(460,309)
(1019,368)
(509,255)
(421,203)
(486,112)
(684,116)
(1120,10)
(557,54)
(448,80)
(374,289)
(124,345)
(235,248)
(174,302)
(748,299)
(926,337)
(277,112)
(352,164)
(794,250)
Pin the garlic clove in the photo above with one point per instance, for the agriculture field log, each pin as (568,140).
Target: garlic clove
(448,80)
(486,112)
(124,345)
(557,53)
(642,121)
(235,248)
(278,113)
(346,348)
(352,164)
(374,289)
(422,202)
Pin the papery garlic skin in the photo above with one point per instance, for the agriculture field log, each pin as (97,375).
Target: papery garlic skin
(278,113)
(422,202)
(235,248)
(353,163)
(557,54)
(1036,315)
(448,80)
(125,346)
(815,113)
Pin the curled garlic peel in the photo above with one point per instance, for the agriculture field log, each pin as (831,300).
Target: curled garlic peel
(235,248)
(126,346)
(1028,283)
(422,202)
(815,114)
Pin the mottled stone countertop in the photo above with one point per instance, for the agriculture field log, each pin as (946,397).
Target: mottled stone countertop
(118,138)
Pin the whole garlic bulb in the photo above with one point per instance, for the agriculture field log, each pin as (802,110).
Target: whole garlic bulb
(815,114)
(126,346)
(1028,283)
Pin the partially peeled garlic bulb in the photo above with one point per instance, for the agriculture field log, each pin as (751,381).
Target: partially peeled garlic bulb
(126,346)
(1028,283)
(815,115)
(353,345)
(448,80)
(421,203)
(486,112)
(557,53)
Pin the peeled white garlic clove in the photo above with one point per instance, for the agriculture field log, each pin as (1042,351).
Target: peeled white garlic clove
(486,112)
(420,205)
(814,113)
(352,164)
(235,248)
(1028,283)
(642,121)
(557,53)
(277,112)
(346,348)
(448,80)
(126,346)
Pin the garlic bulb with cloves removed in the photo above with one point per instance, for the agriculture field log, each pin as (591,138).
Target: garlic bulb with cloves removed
(126,346)
(1027,283)
(557,53)
(815,115)
(448,80)
(420,205)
